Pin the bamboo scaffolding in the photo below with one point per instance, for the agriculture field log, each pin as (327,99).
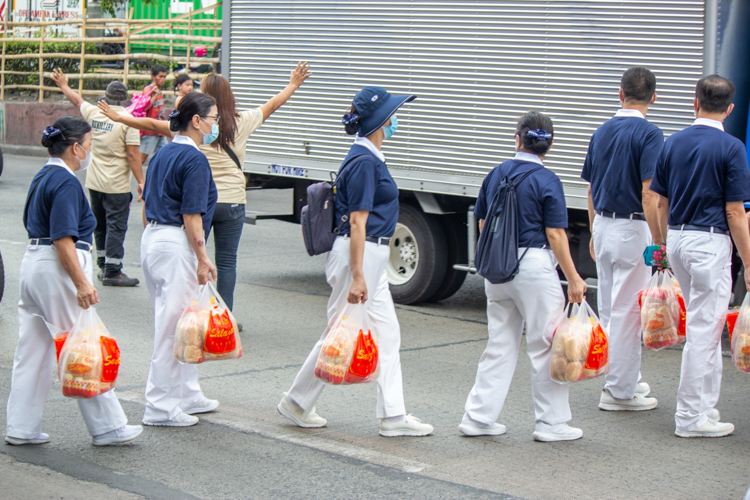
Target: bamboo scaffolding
(83,52)
(2,78)
(41,61)
(126,68)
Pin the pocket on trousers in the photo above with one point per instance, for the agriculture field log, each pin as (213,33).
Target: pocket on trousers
(235,211)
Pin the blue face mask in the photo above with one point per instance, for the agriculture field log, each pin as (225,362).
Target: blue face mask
(391,129)
(209,138)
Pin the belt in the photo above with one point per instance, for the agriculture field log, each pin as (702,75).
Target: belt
(80,245)
(612,215)
(170,224)
(380,241)
(703,229)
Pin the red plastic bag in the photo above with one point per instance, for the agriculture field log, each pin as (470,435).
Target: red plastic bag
(207,330)
(661,313)
(89,359)
(580,346)
(739,336)
(349,354)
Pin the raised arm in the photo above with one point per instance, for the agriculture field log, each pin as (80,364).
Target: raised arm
(62,81)
(297,77)
(147,124)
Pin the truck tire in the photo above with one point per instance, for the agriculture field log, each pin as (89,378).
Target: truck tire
(2,278)
(1,162)
(456,245)
(416,267)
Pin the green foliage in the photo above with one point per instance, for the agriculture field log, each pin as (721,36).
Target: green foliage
(31,63)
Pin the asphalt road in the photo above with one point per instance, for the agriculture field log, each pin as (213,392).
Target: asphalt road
(247,450)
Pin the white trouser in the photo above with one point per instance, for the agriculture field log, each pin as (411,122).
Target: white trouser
(382,315)
(535,298)
(702,264)
(169,268)
(47,290)
(619,246)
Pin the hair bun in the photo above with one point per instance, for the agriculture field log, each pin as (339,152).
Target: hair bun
(174,124)
(351,123)
(49,134)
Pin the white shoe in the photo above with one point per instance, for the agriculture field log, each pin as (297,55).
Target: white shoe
(642,389)
(301,418)
(608,402)
(560,432)
(182,419)
(713,415)
(40,439)
(204,406)
(708,429)
(409,426)
(471,427)
(122,435)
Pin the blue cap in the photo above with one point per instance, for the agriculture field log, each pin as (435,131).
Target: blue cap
(375,106)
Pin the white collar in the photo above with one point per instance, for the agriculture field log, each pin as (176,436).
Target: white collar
(183,139)
(708,122)
(528,157)
(60,163)
(629,113)
(364,141)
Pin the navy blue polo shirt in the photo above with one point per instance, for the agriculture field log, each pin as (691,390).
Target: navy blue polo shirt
(622,154)
(541,201)
(179,182)
(59,207)
(699,170)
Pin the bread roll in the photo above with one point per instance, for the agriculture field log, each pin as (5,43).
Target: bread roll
(574,371)
(576,346)
(558,365)
(192,354)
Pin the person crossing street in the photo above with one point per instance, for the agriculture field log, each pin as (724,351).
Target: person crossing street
(115,158)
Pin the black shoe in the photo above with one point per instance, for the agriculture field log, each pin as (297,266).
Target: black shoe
(121,279)
(239,326)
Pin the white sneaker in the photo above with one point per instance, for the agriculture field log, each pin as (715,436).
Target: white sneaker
(300,417)
(642,389)
(608,402)
(708,429)
(409,426)
(204,406)
(471,427)
(182,419)
(122,435)
(40,439)
(713,415)
(559,432)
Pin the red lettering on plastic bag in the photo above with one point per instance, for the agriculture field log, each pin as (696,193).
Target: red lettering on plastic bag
(220,337)
(365,359)
(110,359)
(598,356)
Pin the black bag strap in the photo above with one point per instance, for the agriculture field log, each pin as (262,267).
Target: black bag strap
(233,156)
(31,195)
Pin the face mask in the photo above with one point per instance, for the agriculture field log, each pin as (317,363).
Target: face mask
(391,129)
(209,138)
(87,161)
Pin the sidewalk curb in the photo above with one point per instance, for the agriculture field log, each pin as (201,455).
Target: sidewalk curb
(22,150)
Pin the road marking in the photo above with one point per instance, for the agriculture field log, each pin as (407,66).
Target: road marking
(241,420)
(10,242)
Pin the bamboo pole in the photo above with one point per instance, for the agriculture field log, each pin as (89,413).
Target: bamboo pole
(2,77)
(140,38)
(111,21)
(113,57)
(190,32)
(126,68)
(83,52)
(41,61)
(171,42)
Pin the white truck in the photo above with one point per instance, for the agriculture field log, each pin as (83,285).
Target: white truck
(475,67)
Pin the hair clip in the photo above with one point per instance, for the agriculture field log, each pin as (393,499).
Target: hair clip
(51,132)
(350,119)
(539,134)
(173,114)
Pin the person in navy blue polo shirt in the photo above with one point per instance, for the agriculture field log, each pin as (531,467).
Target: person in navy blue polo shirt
(355,267)
(533,298)
(702,180)
(619,166)
(180,197)
(56,284)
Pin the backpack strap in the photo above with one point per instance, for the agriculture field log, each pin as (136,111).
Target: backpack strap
(334,180)
(31,194)
(520,179)
(233,156)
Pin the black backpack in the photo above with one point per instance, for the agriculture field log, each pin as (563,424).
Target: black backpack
(319,229)
(496,257)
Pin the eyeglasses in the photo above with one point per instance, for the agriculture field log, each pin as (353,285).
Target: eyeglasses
(216,118)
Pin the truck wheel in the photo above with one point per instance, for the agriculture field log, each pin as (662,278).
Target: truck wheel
(2,278)
(418,259)
(1,162)
(455,239)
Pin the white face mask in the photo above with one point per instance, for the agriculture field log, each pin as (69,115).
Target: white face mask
(87,161)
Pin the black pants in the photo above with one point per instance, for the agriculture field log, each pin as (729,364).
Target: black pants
(111,212)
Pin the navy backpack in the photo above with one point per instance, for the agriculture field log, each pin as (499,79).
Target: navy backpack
(318,220)
(496,257)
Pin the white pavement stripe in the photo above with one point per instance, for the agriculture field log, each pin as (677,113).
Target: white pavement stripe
(10,242)
(238,419)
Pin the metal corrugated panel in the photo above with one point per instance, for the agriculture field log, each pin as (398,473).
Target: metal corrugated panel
(476,66)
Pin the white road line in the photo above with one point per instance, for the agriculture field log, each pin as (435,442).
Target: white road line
(238,419)
(10,242)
